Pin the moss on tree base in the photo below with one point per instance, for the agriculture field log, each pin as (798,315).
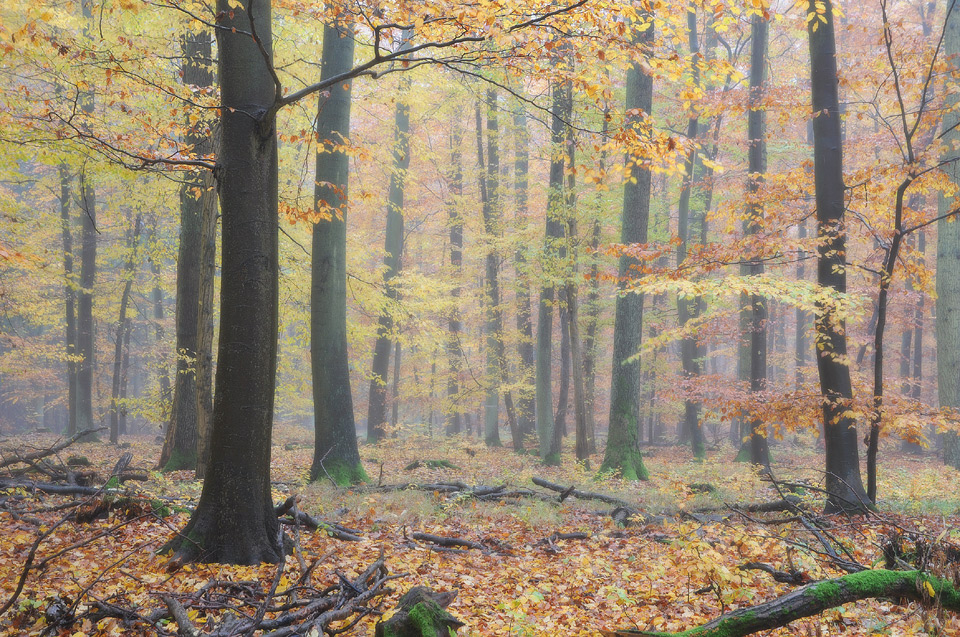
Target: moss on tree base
(421,613)
(180,461)
(628,464)
(343,473)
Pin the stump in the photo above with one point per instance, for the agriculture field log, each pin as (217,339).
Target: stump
(421,613)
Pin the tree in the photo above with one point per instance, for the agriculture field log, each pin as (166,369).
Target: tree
(948,249)
(526,405)
(234,521)
(843,481)
(335,452)
(122,332)
(757,153)
(622,453)
(393,248)
(455,223)
(70,300)
(196,195)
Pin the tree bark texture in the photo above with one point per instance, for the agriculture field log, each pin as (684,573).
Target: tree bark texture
(393,247)
(526,406)
(234,521)
(123,324)
(335,451)
(180,443)
(455,223)
(843,480)
(69,299)
(622,454)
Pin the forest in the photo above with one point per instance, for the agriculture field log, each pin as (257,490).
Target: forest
(489,317)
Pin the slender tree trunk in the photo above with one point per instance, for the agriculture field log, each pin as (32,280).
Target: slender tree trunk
(235,522)
(687,308)
(622,454)
(842,467)
(180,443)
(88,265)
(546,431)
(70,300)
(757,154)
(803,319)
(124,377)
(526,405)
(163,376)
(395,389)
(563,388)
(335,451)
(455,222)
(205,331)
(122,325)
(393,247)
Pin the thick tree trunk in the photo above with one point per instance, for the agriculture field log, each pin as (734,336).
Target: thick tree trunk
(123,324)
(235,522)
(455,222)
(335,451)
(526,406)
(70,300)
(393,247)
(757,154)
(815,598)
(180,443)
(844,483)
(622,454)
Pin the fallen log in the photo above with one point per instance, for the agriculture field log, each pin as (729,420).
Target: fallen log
(817,597)
(296,516)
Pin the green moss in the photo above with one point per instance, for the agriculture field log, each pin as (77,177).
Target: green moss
(180,461)
(628,464)
(343,473)
(743,455)
(552,460)
(827,592)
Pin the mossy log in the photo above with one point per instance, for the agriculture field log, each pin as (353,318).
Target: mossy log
(421,613)
(818,597)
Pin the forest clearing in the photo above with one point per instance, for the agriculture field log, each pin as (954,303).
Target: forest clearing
(510,317)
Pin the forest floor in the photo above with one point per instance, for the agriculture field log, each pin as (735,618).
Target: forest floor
(669,573)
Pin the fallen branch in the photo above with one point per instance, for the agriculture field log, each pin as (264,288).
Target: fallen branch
(818,597)
(447,542)
(19,457)
(566,492)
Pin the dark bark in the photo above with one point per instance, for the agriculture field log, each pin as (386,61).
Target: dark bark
(689,308)
(525,400)
(208,258)
(393,247)
(757,154)
(395,388)
(123,324)
(234,521)
(335,452)
(622,454)
(546,431)
(180,443)
(842,468)
(70,300)
(802,318)
(163,376)
(124,377)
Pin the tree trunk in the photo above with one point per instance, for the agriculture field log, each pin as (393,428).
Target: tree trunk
(395,389)
(205,332)
(843,480)
(493,320)
(163,376)
(803,319)
(757,154)
(124,378)
(88,265)
(622,454)
(687,308)
(335,451)
(563,388)
(122,326)
(526,406)
(393,247)
(70,300)
(546,431)
(180,443)
(234,521)
(455,222)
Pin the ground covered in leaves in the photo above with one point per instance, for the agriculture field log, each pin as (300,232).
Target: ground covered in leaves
(531,564)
